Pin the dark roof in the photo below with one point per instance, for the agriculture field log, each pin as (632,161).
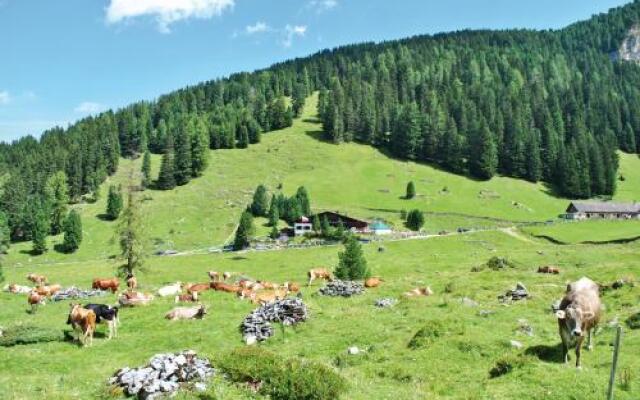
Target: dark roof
(604,207)
(334,218)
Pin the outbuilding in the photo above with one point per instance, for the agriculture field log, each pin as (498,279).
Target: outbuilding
(602,209)
(380,228)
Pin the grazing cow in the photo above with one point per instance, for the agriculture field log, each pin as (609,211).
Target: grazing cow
(35,300)
(372,282)
(18,289)
(48,290)
(135,299)
(177,313)
(214,276)
(106,314)
(578,314)
(292,287)
(224,287)
(267,296)
(106,284)
(319,273)
(170,290)
(38,280)
(548,269)
(132,282)
(83,321)
(187,298)
(198,287)
(426,291)
(227,275)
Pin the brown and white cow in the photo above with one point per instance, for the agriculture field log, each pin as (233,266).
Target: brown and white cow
(225,287)
(106,284)
(425,291)
(187,298)
(48,291)
(372,282)
(214,276)
(18,289)
(578,315)
(135,299)
(35,300)
(548,269)
(292,287)
(177,313)
(132,282)
(38,280)
(263,297)
(83,321)
(319,273)
(198,287)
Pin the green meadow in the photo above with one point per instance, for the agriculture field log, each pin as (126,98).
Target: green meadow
(363,182)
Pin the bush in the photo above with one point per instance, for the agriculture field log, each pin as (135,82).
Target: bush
(28,334)
(434,330)
(411,191)
(497,263)
(282,379)
(415,220)
(505,365)
(633,322)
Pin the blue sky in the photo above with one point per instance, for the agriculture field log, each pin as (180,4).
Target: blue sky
(61,60)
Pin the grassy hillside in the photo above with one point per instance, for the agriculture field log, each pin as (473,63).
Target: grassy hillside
(588,231)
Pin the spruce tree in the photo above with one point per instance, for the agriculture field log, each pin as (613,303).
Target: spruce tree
(146,169)
(114,202)
(166,177)
(302,196)
(352,265)
(325,227)
(57,197)
(182,162)
(40,229)
(72,232)
(484,156)
(415,220)
(316,224)
(411,191)
(260,202)
(199,148)
(274,213)
(243,137)
(275,232)
(244,232)
(5,233)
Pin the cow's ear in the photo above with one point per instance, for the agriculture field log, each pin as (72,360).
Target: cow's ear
(561,314)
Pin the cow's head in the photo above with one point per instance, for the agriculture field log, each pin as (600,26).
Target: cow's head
(572,317)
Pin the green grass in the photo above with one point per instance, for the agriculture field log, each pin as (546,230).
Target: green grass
(363,182)
(588,231)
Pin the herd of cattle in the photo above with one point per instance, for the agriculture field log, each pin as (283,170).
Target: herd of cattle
(578,313)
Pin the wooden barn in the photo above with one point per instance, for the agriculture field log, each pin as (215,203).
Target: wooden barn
(602,209)
(349,223)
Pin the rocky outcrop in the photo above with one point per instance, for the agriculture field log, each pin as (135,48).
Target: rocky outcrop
(630,47)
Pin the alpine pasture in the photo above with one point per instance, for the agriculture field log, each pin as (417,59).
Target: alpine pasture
(473,331)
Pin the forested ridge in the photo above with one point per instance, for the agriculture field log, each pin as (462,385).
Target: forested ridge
(538,105)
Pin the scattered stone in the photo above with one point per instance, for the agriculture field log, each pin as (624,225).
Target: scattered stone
(386,302)
(164,374)
(73,293)
(342,288)
(256,327)
(515,344)
(353,350)
(519,293)
(469,302)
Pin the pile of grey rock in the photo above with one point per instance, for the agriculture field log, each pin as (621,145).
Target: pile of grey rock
(256,327)
(164,375)
(519,293)
(386,302)
(342,288)
(72,293)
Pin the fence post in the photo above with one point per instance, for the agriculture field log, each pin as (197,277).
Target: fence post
(616,350)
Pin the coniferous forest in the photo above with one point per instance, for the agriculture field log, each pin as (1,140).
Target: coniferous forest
(551,106)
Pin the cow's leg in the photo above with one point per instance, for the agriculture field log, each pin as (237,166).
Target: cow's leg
(310,280)
(565,352)
(589,339)
(579,351)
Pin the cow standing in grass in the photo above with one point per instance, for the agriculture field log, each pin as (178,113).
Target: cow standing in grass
(578,314)
(106,314)
(319,273)
(106,284)
(84,322)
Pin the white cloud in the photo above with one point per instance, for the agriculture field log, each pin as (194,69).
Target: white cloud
(323,5)
(166,12)
(258,27)
(5,98)
(89,107)
(291,32)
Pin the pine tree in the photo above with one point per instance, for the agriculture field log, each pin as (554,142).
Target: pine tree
(243,137)
(302,196)
(57,197)
(5,233)
(166,177)
(415,220)
(40,228)
(274,212)
(275,232)
(260,202)
(293,211)
(114,202)
(146,169)
(484,155)
(182,163)
(199,148)
(72,232)
(244,232)
(316,224)
(298,98)
(411,191)
(352,265)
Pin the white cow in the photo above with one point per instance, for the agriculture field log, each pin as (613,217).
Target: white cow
(170,290)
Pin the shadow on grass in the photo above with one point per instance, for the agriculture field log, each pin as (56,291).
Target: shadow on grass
(239,258)
(104,217)
(552,354)
(31,253)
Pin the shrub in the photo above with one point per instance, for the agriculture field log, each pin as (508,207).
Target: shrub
(415,220)
(28,334)
(497,263)
(282,379)
(633,322)
(411,191)
(352,265)
(505,365)
(434,330)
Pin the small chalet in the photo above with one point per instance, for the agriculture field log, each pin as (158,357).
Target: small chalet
(349,223)
(302,225)
(601,209)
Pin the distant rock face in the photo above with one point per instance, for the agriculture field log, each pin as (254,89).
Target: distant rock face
(630,48)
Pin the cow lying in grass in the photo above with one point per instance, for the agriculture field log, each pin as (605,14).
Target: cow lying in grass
(578,314)
(177,313)
(548,269)
(48,291)
(106,314)
(426,291)
(135,299)
(82,321)
(187,298)
(372,282)
(18,289)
